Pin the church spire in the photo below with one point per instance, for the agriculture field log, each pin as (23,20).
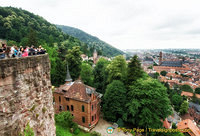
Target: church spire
(68,77)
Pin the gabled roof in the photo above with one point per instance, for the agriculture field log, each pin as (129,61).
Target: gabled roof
(172,63)
(188,124)
(77,90)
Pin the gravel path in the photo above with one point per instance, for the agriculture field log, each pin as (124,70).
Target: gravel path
(102,126)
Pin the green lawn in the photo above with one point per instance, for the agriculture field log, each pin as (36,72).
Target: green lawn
(60,131)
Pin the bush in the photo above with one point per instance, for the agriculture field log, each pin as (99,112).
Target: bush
(197,90)
(94,133)
(64,119)
(186,88)
(76,131)
(174,126)
(163,73)
(28,131)
(120,122)
(60,131)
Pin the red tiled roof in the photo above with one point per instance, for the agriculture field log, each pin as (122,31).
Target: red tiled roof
(188,124)
(187,94)
(166,124)
(76,90)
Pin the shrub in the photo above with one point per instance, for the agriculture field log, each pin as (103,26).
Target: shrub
(120,122)
(28,131)
(174,126)
(94,133)
(163,73)
(186,88)
(76,131)
(64,119)
(197,90)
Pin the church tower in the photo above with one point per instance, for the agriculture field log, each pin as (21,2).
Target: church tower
(95,55)
(68,77)
(160,58)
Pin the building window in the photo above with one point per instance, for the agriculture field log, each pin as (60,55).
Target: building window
(59,99)
(83,119)
(92,118)
(95,117)
(60,108)
(67,108)
(72,107)
(83,108)
(64,91)
(92,107)
(67,99)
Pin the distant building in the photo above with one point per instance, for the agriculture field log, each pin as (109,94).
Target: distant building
(170,66)
(81,100)
(189,124)
(84,57)
(95,56)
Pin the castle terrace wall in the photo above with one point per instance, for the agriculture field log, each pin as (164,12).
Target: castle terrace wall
(26,96)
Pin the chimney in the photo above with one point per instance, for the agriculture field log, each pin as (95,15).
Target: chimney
(160,58)
(68,77)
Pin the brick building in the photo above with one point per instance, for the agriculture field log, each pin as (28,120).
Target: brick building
(81,100)
(189,124)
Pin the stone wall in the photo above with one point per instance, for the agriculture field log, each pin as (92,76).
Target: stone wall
(26,96)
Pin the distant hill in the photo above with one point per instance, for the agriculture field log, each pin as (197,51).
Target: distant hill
(24,28)
(93,42)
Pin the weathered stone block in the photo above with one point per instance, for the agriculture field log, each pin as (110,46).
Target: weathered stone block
(23,83)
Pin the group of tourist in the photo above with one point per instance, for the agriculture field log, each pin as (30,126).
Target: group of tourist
(14,51)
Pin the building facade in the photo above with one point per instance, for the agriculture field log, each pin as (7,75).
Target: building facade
(81,100)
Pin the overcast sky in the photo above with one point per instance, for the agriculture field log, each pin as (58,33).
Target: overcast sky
(125,24)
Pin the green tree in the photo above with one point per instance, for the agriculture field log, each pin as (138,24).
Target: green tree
(64,119)
(100,75)
(156,75)
(74,61)
(32,38)
(197,90)
(134,70)
(117,69)
(184,107)
(186,88)
(163,73)
(114,101)
(177,101)
(147,104)
(87,74)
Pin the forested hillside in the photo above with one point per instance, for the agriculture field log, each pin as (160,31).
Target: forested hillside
(25,28)
(22,28)
(92,41)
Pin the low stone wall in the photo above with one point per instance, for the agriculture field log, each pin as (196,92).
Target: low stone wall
(26,96)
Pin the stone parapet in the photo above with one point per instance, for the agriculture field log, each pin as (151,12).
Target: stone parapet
(26,96)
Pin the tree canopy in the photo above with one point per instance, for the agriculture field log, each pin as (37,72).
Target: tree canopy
(114,101)
(144,98)
(87,74)
(186,88)
(163,73)
(184,107)
(101,75)
(74,59)
(117,69)
(134,70)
